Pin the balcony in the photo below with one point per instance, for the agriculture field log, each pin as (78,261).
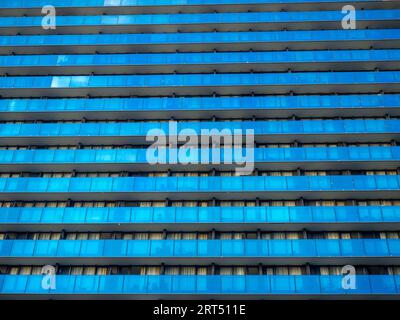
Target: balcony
(199,107)
(177,287)
(201,42)
(201,252)
(346,218)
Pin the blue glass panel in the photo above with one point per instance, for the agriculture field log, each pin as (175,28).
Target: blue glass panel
(300,214)
(112,284)
(35,285)
(182,215)
(45,248)
(74,215)
(332,284)
(87,284)
(304,248)
(115,248)
(327,248)
(142,214)
(382,284)
(52,215)
(209,214)
(119,215)
(323,214)
(31,215)
(15,284)
(347,214)
(92,248)
(307,285)
(278,214)
(256,248)
(69,248)
(11,215)
(255,214)
(232,248)
(257,284)
(185,248)
(370,213)
(23,248)
(183,284)
(209,248)
(64,284)
(208,284)
(96,215)
(159,284)
(162,248)
(394,246)
(135,284)
(138,248)
(280,247)
(233,284)
(5,247)
(376,247)
(353,247)
(282,284)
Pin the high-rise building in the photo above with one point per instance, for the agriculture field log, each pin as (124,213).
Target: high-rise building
(277,167)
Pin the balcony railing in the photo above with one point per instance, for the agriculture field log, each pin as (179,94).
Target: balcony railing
(265,286)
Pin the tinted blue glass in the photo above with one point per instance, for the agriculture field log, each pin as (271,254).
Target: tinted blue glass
(282,285)
(184,284)
(185,248)
(209,214)
(45,248)
(142,215)
(256,248)
(52,215)
(376,247)
(306,285)
(92,248)
(332,284)
(14,284)
(327,247)
(31,215)
(96,215)
(23,248)
(257,284)
(86,284)
(300,214)
(348,213)
(208,284)
(34,285)
(162,248)
(278,214)
(394,246)
(119,215)
(280,248)
(159,284)
(135,284)
(5,247)
(115,248)
(352,248)
(382,284)
(13,215)
(182,215)
(138,248)
(233,284)
(112,284)
(209,248)
(74,215)
(69,248)
(304,248)
(232,248)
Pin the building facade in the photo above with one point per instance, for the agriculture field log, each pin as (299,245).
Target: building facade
(277,168)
